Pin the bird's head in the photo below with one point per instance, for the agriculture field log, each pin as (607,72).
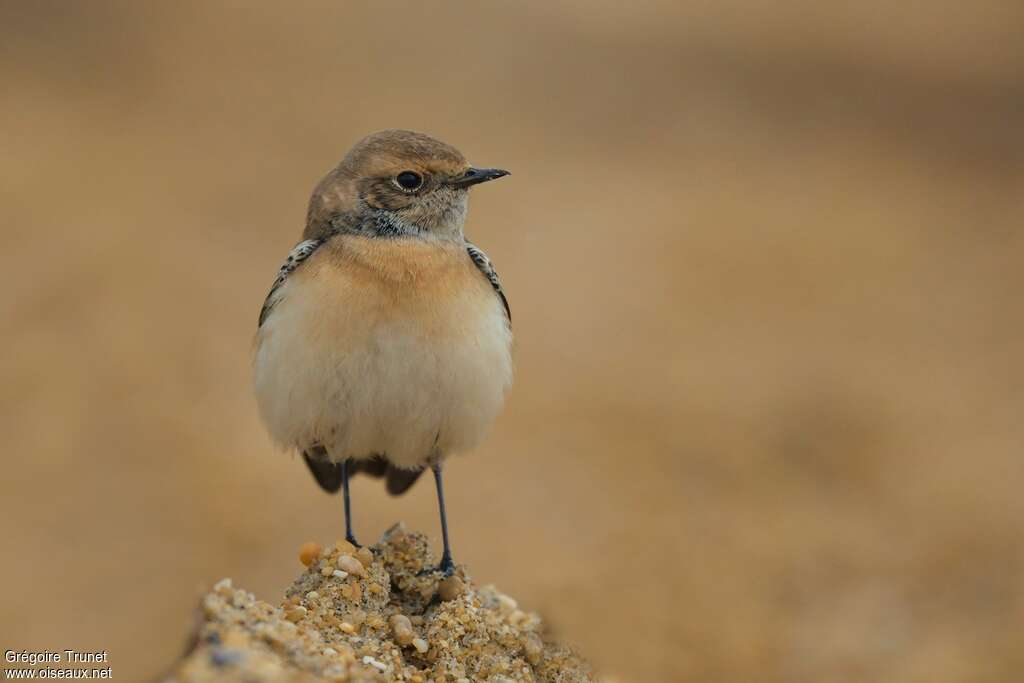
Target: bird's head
(395,183)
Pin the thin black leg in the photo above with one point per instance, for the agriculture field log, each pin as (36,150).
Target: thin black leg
(348,504)
(446,565)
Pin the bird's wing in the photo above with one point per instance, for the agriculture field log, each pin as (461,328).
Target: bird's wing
(302,251)
(329,474)
(487,268)
(326,473)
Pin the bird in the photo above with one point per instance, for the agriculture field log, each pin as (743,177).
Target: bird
(385,343)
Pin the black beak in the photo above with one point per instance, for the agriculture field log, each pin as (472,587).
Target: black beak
(475,176)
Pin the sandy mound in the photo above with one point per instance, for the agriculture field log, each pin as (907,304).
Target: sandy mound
(368,615)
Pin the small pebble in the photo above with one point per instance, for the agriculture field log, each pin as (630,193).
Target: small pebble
(451,588)
(533,648)
(338,574)
(312,595)
(345,548)
(402,628)
(349,564)
(309,551)
(379,666)
(347,627)
(330,652)
(365,556)
(223,587)
(220,657)
(421,645)
(356,618)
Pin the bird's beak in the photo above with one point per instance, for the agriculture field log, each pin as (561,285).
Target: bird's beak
(475,176)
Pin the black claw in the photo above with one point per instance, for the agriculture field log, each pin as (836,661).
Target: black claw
(446,568)
(352,539)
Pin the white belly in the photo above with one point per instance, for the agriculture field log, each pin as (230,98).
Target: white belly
(364,365)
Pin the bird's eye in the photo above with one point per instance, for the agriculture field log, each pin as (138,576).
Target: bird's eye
(409,180)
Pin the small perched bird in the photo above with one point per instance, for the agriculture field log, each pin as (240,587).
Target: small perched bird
(384,344)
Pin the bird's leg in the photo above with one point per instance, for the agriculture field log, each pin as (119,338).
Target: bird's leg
(348,506)
(446,566)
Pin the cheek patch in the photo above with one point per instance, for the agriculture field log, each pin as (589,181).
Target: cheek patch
(381,194)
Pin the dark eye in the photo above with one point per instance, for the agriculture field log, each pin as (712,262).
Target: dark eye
(408,180)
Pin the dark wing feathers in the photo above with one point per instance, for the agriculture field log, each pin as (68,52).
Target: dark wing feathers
(302,251)
(399,481)
(328,474)
(487,268)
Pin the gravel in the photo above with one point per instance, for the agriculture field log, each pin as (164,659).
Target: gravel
(374,614)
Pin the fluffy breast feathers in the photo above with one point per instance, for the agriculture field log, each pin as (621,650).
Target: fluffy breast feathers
(398,347)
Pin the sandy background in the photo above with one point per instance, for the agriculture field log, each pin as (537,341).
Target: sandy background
(765,262)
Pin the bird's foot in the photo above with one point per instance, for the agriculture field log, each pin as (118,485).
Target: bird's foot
(445,568)
(352,539)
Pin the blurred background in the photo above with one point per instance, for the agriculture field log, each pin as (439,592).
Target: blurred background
(765,262)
